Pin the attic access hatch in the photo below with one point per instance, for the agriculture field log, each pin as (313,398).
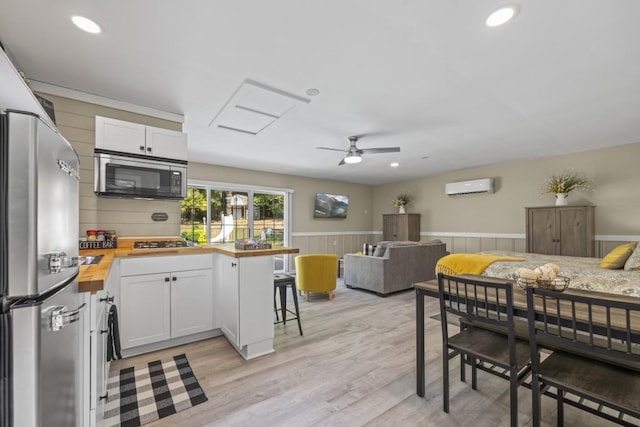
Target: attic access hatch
(476,186)
(253,107)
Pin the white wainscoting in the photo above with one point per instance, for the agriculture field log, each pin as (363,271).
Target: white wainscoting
(345,242)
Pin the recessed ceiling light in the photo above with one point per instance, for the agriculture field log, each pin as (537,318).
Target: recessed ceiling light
(86,24)
(394,164)
(501,16)
(313,92)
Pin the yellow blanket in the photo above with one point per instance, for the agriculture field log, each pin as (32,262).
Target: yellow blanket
(456,264)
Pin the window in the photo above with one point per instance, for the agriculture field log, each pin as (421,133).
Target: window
(193,215)
(224,213)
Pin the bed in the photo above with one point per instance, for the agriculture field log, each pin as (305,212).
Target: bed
(584,273)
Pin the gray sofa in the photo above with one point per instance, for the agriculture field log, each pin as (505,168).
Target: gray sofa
(395,266)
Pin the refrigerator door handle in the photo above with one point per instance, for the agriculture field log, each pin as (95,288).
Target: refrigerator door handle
(60,260)
(60,317)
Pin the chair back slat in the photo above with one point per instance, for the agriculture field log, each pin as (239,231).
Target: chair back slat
(484,301)
(602,329)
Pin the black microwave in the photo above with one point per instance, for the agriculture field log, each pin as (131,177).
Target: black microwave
(135,176)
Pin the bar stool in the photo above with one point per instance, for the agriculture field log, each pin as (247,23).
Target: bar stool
(280,284)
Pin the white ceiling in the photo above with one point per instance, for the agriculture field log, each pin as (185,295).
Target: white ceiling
(425,75)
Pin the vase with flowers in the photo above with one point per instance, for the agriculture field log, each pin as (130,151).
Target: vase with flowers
(562,184)
(401,201)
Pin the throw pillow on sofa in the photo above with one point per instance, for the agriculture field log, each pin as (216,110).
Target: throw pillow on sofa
(368,249)
(380,250)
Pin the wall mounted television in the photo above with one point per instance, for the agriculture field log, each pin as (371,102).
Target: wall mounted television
(330,206)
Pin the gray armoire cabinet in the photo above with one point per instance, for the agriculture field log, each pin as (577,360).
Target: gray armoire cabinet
(561,230)
(401,227)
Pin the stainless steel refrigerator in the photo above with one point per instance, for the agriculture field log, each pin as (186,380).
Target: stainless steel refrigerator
(40,311)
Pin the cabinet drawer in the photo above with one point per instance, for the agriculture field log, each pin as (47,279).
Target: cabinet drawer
(158,264)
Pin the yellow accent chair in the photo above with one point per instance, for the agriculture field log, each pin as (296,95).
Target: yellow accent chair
(317,273)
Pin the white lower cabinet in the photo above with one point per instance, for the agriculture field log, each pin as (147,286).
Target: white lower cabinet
(146,305)
(246,303)
(95,335)
(229,293)
(165,297)
(191,302)
(100,365)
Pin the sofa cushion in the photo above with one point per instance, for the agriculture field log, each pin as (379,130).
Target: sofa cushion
(431,242)
(401,243)
(381,248)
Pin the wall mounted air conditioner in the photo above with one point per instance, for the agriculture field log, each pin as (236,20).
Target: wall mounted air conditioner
(476,186)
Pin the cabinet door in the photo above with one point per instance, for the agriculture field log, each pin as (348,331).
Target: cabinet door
(402,227)
(541,231)
(256,299)
(191,302)
(408,227)
(118,135)
(146,303)
(573,232)
(166,143)
(389,227)
(413,227)
(101,364)
(229,299)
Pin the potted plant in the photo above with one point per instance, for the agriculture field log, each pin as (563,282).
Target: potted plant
(401,201)
(562,184)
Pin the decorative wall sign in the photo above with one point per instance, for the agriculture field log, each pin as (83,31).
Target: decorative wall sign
(159,216)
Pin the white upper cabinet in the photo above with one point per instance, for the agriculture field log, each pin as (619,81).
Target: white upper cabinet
(127,137)
(166,143)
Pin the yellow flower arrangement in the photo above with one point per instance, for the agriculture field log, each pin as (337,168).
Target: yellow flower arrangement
(402,200)
(564,183)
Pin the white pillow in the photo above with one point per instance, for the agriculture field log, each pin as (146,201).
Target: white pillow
(633,262)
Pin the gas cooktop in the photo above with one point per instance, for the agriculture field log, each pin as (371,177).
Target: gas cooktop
(159,244)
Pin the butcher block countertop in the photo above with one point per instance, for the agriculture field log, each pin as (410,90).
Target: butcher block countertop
(92,277)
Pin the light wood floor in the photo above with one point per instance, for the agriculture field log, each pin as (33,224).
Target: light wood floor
(355,365)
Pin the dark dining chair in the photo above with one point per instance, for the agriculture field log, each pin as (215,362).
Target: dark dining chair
(595,363)
(487,337)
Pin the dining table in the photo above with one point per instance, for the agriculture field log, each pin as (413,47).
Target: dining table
(616,321)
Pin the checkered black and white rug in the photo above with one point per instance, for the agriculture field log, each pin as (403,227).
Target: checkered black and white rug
(147,393)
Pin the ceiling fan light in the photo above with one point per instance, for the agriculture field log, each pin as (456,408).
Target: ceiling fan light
(352,159)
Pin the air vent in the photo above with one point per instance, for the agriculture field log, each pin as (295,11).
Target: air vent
(253,107)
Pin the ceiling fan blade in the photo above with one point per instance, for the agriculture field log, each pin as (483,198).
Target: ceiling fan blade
(342,162)
(331,149)
(381,150)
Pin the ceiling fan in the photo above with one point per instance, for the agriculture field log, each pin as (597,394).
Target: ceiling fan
(354,154)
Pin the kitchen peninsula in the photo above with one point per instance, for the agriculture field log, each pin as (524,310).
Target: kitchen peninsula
(170,296)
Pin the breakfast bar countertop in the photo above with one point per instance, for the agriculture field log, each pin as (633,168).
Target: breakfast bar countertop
(92,277)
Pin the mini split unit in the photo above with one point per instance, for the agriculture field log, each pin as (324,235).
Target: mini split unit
(477,186)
